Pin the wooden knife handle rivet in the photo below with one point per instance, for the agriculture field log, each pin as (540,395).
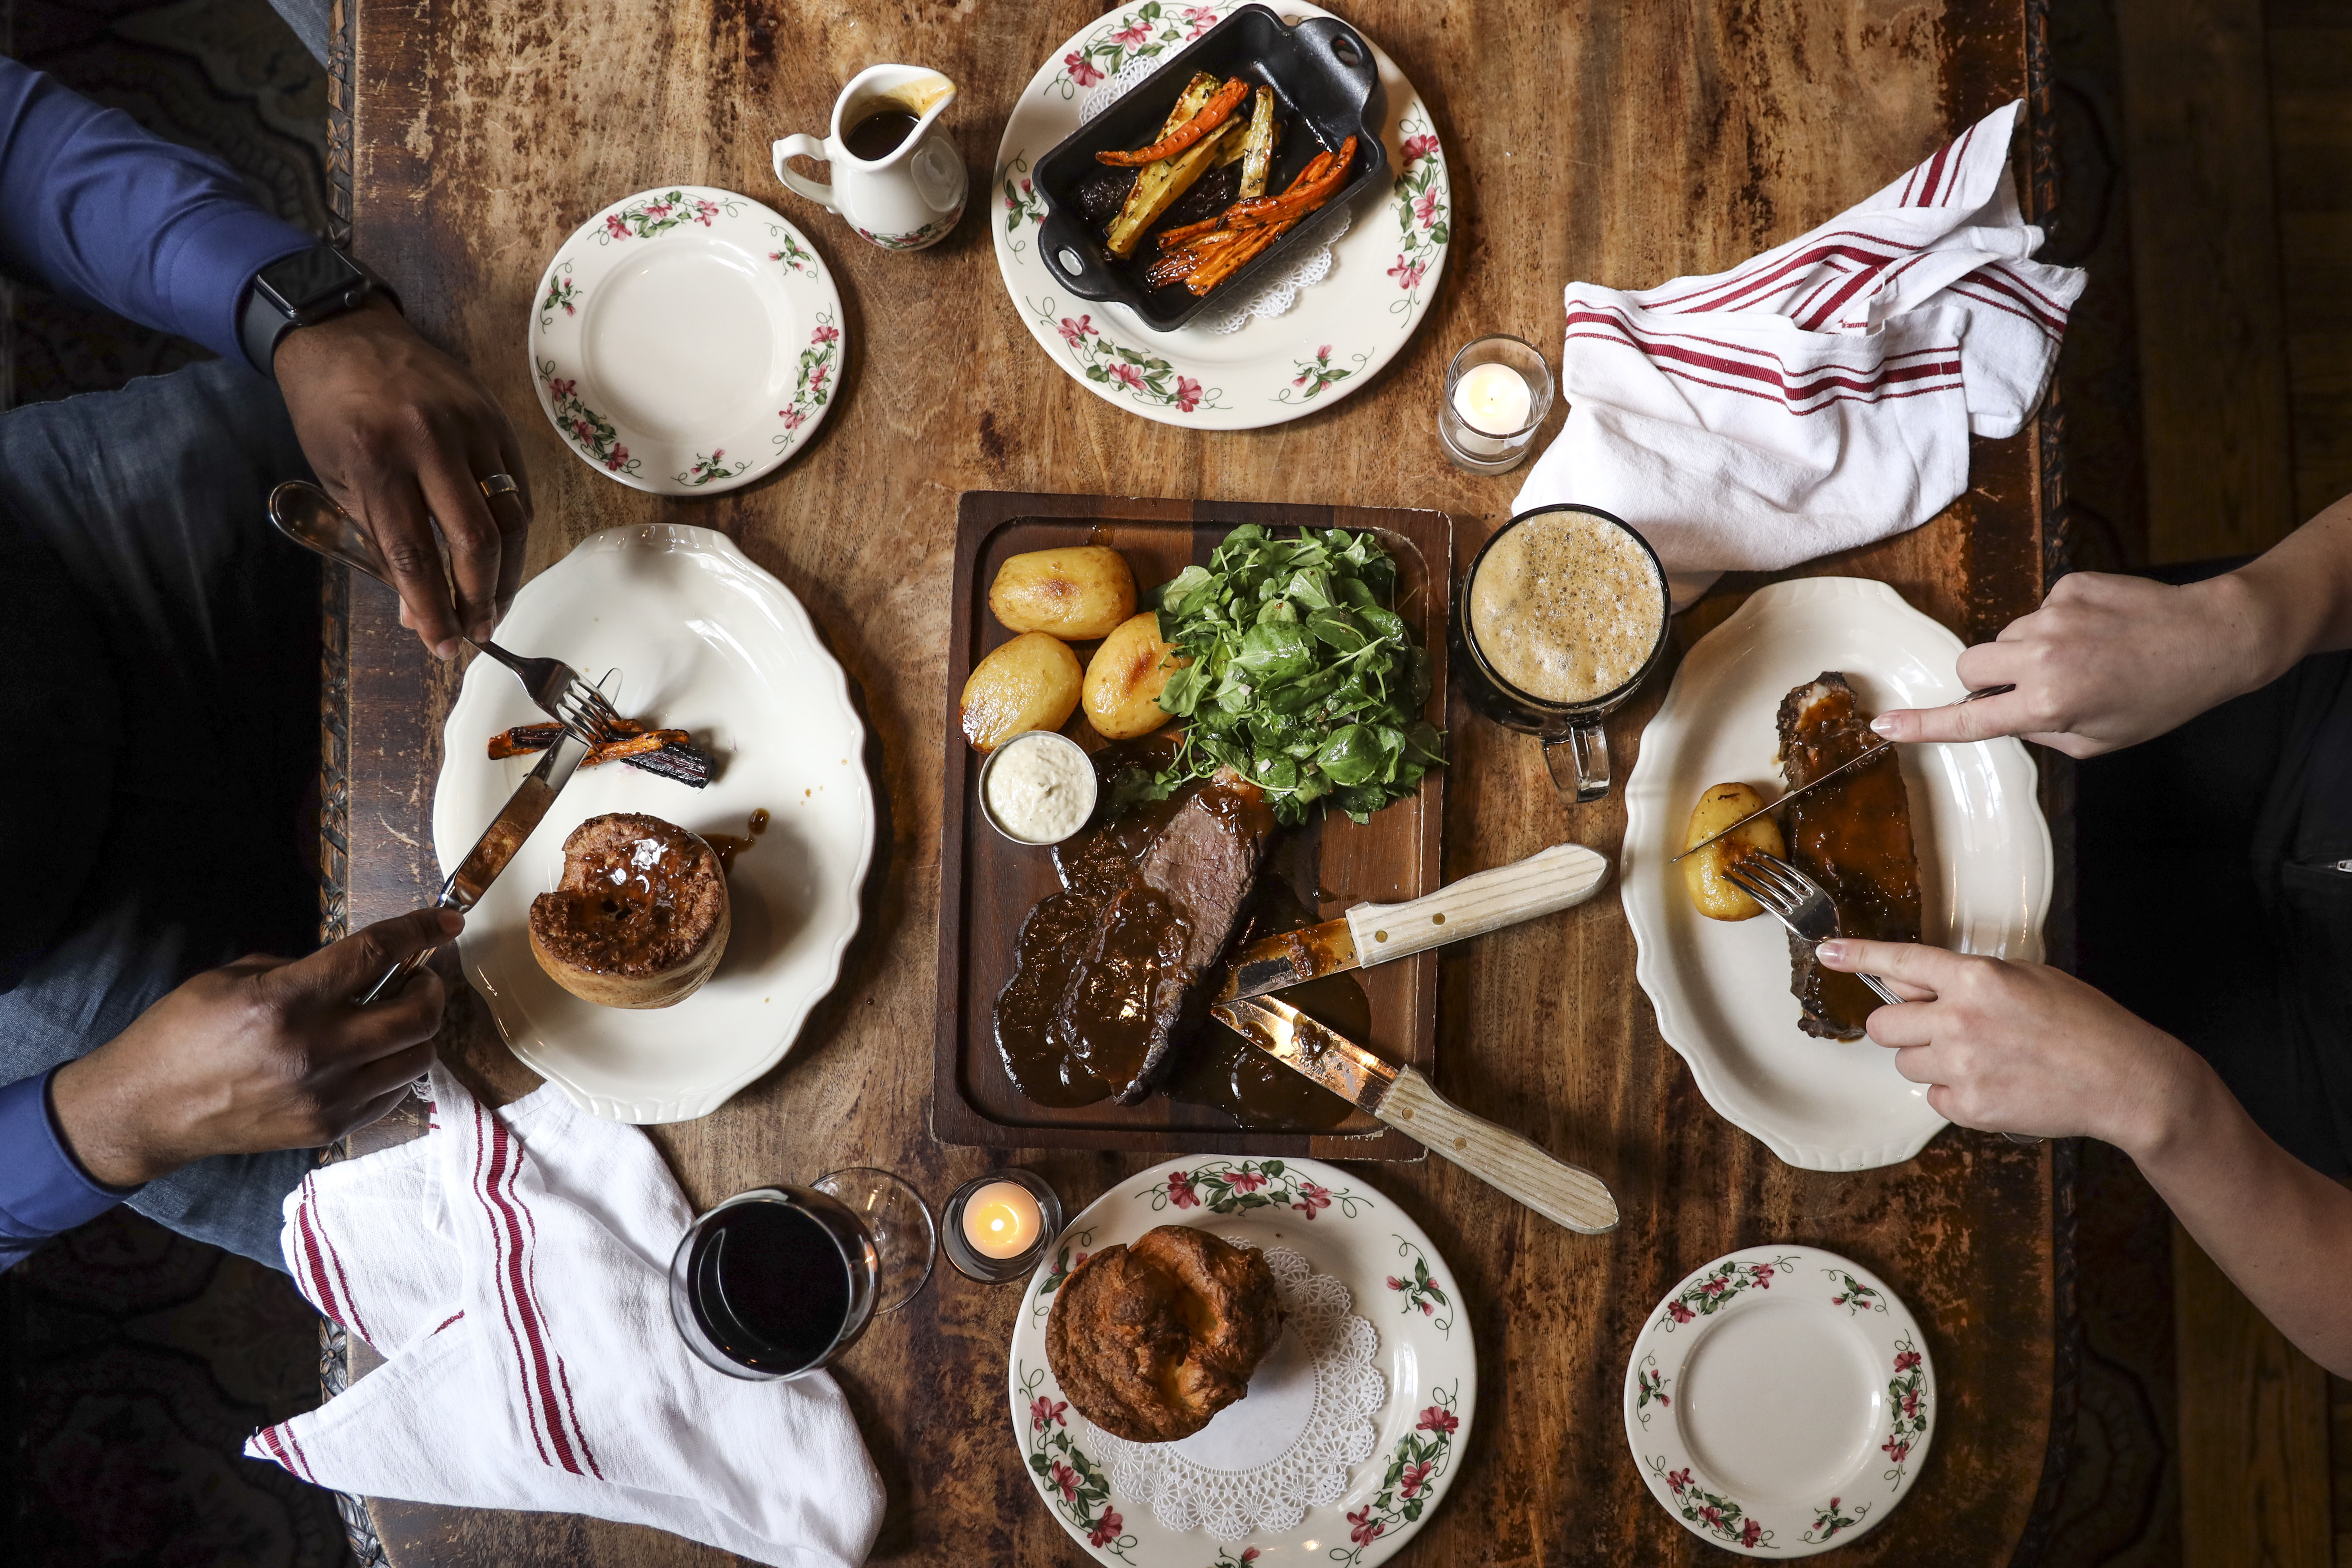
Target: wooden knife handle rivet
(1379,936)
(1511,1163)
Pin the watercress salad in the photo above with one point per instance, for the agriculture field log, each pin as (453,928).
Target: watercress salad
(1303,678)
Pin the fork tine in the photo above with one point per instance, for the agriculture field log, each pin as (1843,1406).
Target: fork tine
(1793,884)
(1763,892)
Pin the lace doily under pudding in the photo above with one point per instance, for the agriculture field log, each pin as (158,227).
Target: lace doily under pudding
(1310,262)
(1291,1445)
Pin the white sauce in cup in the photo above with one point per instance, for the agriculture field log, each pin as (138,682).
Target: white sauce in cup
(1038,787)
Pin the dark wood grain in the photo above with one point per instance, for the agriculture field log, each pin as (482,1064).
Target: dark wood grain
(989,886)
(1610,140)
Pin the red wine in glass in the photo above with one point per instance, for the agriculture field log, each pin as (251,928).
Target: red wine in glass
(778,1282)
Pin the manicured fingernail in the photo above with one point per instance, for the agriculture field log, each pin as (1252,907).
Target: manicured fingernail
(452,921)
(445,648)
(1832,952)
(1883,724)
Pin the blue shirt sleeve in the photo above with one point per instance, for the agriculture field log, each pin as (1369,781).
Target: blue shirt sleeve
(107,214)
(43,1188)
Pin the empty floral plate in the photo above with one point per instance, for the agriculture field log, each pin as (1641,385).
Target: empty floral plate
(685,338)
(1780,1401)
(1337,334)
(1354,1423)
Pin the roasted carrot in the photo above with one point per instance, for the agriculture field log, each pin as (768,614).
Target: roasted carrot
(1213,114)
(1171,238)
(1232,258)
(636,745)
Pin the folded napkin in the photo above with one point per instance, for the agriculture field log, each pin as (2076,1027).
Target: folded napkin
(512,1267)
(1821,395)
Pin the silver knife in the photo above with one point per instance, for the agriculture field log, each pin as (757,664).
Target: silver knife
(1849,764)
(1486,900)
(1404,1099)
(496,846)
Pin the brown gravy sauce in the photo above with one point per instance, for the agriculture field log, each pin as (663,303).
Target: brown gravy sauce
(1853,837)
(1080,1048)
(727,846)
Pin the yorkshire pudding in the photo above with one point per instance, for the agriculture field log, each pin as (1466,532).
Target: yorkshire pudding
(1150,1341)
(641,916)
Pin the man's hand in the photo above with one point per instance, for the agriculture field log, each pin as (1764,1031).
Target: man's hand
(402,436)
(2023,1047)
(263,1054)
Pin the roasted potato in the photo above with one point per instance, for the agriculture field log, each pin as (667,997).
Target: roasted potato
(1715,895)
(1124,679)
(1030,683)
(1078,593)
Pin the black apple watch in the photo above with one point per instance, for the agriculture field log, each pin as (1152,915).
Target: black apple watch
(301,290)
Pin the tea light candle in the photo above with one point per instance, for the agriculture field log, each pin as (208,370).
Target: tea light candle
(1493,400)
(997,1227)
(1498,391)
(1001,1220)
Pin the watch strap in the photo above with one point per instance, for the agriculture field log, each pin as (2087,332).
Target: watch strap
(263,323)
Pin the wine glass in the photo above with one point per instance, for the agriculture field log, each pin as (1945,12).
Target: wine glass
(778,1282)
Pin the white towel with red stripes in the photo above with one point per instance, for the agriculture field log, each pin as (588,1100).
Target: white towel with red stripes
(1821,395)
(512,1268)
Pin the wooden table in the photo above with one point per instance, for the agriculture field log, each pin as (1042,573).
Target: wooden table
(1623,143)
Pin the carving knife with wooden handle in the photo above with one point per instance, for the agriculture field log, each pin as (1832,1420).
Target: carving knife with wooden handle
(1486,900)
(1513,1165)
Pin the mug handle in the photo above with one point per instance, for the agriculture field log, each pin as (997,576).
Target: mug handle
(801,184)
(1579,761)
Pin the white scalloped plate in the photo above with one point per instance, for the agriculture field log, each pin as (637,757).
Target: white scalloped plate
(1721,989)
(1400,1284)
(1780,1401)
(702,639)
(1384,270)
(685,340)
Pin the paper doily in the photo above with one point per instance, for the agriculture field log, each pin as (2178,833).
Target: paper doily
(1270,296)
(1291,1445)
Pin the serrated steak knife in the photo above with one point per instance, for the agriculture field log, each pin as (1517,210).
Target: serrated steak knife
(496,846)
(1511,1165)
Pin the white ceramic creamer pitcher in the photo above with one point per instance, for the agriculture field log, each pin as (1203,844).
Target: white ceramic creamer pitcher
(902,194)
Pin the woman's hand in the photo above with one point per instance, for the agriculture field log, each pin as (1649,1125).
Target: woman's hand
(402,436)
(2023,1047)
(262,1054)
(2106,662)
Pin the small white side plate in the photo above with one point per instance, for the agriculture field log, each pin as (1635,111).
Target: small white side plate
(1721,989)
(703,640)
(685,338)
(1780,1401)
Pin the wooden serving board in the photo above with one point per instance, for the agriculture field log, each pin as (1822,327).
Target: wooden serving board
(988,884)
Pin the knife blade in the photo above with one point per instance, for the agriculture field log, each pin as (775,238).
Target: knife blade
(1401,1097)
(1486,900)
(1849,764)
(496,846)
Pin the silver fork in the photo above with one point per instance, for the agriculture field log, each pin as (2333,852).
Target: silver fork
(309,516)
(1803,905)
(1797,901)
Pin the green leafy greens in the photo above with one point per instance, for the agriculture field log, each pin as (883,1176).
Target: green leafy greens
(1304,678)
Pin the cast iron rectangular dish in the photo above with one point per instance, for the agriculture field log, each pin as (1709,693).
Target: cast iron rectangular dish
(1326,88)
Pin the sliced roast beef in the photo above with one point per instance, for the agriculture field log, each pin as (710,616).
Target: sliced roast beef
(1852,835)
(1113,973)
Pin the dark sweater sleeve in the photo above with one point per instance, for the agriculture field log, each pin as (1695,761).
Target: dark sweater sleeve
(43,1189)
(102,211)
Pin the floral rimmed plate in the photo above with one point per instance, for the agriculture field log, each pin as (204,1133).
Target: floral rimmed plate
(685,340)
(1721,989)
(1384,270)
(1343,1229)
(1780,1401)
